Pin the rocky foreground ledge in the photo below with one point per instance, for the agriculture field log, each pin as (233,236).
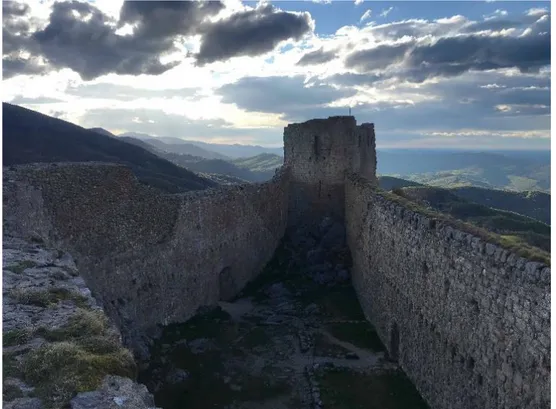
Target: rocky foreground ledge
(59,348)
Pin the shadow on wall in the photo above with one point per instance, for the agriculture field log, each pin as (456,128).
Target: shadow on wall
(150,258)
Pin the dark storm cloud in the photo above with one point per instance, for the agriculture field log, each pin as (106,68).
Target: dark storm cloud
(16,38)
(450,115)
(377,58)
(455,55)
(13,66)
(478,92)
(14,9)
(80,37)
(88,44)
(250,33)
(163,19)
(473,101)
(278,94)
(317,57)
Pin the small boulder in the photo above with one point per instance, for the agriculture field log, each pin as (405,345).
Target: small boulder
(115,392)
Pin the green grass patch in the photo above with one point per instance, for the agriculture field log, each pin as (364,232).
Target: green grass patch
(16,337)
(20,267)
(76,359)
(344,389)
(88,329)
(10,366)
(47,297)
(360,334)
(60,370)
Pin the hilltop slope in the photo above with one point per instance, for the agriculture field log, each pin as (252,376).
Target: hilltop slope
(501,170)
(531,204)
(264,162)
(511,225)
(30,136)
(217,170)
(174,145)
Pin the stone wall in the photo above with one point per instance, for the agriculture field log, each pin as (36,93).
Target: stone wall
(468,321)
(319,152)
(150,258)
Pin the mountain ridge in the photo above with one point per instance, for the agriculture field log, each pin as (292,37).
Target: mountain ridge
(30,136)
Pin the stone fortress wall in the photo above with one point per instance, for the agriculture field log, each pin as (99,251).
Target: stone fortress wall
(468,322)
(318,153)
(149,258)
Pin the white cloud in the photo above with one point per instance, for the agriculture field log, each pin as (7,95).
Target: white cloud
(366,15)
(492,86)
(536,12)
(385,12)
(499,134)
(358,2)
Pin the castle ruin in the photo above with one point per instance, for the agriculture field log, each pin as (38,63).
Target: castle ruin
(468,321)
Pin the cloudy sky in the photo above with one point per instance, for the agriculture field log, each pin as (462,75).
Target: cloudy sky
(428,74)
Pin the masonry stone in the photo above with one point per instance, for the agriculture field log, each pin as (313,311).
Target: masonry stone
(468,321)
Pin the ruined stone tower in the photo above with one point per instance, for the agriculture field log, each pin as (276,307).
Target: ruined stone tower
(319,153)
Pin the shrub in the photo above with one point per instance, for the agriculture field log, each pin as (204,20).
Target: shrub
(60,370)
(16,337)
(22,266)
(46,297)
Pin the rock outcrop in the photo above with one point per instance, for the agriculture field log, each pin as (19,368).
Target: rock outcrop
(57,341)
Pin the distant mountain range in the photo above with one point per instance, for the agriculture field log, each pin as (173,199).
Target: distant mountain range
(204,149)
(103,131)
(175,145)
(532,204)
(30,136)
(499,170)
(255,169)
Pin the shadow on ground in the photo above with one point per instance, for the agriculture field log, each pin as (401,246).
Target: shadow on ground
(294,338)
